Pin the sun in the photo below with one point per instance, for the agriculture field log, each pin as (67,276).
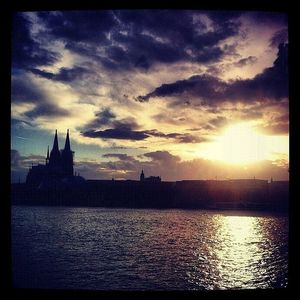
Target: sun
(239,144)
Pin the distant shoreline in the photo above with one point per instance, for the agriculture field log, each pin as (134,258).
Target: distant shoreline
(244,195)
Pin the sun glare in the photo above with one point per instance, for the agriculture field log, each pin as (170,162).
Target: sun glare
(239,144)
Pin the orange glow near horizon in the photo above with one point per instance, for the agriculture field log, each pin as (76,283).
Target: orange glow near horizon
(242,144)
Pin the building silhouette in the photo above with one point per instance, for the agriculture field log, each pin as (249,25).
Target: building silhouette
(59,165)
(150,178)
(142,176)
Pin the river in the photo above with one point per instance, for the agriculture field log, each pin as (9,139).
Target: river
(147,249)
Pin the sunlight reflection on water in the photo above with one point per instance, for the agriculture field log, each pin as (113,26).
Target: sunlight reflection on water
(238,250)
(242,254)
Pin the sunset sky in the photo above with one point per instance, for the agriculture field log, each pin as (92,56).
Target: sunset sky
(182,94)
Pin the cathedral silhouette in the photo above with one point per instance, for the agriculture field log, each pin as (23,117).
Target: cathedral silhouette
(59,167)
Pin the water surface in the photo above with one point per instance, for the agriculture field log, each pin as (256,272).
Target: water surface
(144,249)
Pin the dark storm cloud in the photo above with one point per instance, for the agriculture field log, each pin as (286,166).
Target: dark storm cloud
(105,117)
(119,156)
(203,85)
(179,137)
(246,61)
(126,133)
(117,133)
(41,73)
(77,26)
(169,36)
(124,162)
(140,38)
(164,156)
(181,26)
(124,129)
(47,109)
(24,90)
(272,83)
(65,74)
(109,118)
(267,18)
(26,52)
(280,37)
(127,129)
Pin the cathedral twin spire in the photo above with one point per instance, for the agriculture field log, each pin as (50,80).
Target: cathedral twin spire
(67,144)
(61,159)
(59,165)
(55,144)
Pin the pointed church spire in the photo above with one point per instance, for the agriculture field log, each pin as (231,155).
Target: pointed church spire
(55,143)
(54,160)
(67,144)
(142,176)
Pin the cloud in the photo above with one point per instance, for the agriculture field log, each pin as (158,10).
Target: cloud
(276,126)
(126,133)
(126,129)
(21,164)
(280,37)
(66,75)
(179,137)
(47,109)
(251,114)
(27,52)
(106,58)
(272,83)
(24,89)
(218,122)
(203,85)
(267,18)
(141,38)
(164,156)
(171,167)
(116,133)
(79,27)
(107,117)
(118,156)
(104,117)
(246,61)
(125,167)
